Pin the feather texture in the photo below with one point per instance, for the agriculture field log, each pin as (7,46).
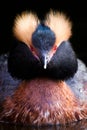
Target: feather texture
(60,25)
(24,25)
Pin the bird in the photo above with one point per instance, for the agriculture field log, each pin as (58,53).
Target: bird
(43,46)
(47,66)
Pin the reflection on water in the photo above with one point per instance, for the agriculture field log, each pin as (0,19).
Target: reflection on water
(81,125)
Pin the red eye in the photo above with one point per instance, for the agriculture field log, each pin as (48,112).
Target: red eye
(34,52)
(55,47)
(31,47)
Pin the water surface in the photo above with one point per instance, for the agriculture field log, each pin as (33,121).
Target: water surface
(80,125)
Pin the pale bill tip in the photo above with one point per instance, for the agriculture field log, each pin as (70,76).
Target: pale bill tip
(45,66)
(45,62)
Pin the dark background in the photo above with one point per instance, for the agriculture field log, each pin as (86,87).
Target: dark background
(76,10)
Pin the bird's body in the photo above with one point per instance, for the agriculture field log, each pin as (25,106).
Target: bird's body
(46,62)
(49,98)
(43,102)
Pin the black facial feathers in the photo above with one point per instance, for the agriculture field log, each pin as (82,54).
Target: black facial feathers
(42,44)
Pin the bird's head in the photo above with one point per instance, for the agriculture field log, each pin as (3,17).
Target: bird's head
(47,41)
(43,38)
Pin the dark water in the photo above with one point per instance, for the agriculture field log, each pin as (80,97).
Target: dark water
(81,125)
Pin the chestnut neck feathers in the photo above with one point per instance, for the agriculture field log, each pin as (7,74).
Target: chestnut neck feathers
(45,49)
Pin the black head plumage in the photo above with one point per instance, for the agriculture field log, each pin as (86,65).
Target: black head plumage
(43,55)
(43,38)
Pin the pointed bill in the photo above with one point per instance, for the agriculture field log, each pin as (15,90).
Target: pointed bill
(45,62)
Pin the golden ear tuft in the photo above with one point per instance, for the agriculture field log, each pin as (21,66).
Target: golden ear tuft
(24,25)
(60,24)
